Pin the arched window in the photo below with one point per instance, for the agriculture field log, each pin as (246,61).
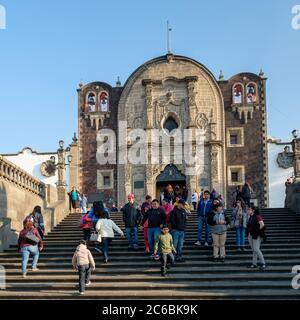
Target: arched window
(237,93)
(91,102)
(103,102)
(251,94)
(170,124)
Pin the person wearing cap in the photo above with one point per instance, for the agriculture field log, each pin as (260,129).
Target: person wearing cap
(131,218)
(178,218)
(164,245)
(156,217)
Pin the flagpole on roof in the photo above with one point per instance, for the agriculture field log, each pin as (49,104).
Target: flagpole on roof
(169,29)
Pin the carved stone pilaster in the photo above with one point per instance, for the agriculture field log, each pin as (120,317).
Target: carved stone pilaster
(192,102)
(214,172)
(149,179)
(149,106)
(296,150)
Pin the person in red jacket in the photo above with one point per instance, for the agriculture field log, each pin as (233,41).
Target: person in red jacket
(86,226)
(29,242)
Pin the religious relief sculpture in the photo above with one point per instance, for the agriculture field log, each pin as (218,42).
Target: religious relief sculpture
(149,96)
(149,106)
(214,163)
(192,102)
(127,169)
(201,121)
(192,93)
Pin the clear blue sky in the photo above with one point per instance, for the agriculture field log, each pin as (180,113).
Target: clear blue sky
(49,46)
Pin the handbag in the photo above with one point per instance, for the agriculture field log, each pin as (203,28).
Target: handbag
(94,237)
(31,238)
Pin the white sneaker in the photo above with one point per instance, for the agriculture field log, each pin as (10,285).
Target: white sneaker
(35,269)
(81,293)
(88,284)
(24,275)
(198,243)
(206,244)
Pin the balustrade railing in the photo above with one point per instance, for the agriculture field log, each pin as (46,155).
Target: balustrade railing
(18,176)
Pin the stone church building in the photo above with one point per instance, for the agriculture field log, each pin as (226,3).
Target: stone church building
(170,92)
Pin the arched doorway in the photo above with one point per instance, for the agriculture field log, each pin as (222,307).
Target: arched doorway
(171,175)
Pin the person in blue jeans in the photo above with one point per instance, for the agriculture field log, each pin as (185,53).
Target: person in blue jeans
(156,219)
(203,210)
(131,218)
(178,218)
(29,242)
(239,221)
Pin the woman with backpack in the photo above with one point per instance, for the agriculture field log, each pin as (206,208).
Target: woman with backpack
(29,242)
(37,219)
(255,230)
(105,228)
(86,226)
(239,222)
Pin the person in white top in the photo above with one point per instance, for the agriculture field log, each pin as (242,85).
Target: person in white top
(195,199)
(105,229)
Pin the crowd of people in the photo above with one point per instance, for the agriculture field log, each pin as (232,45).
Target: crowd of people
(163,223)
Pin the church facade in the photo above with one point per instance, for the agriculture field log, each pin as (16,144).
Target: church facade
(176,92)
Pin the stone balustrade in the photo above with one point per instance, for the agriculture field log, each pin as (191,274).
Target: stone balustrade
(21,178)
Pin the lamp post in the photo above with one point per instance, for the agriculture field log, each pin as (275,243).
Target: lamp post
(61,168)
(296,156)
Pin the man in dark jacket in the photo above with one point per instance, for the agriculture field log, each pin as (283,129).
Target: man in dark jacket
(131,218)
(156,219)
(178,218)
(204,208)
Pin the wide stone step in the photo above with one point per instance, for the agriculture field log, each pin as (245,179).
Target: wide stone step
(155,268)
(158,294)
(138,277)
(241,284)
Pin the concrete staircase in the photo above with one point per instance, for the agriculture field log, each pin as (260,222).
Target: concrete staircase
(132,275)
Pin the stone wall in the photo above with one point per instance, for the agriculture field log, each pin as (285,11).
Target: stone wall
(87,141)
(252,155)
(19,194)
